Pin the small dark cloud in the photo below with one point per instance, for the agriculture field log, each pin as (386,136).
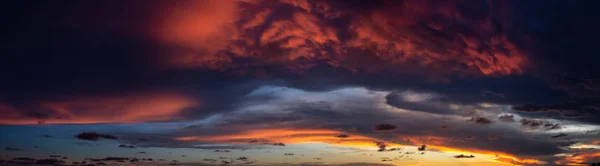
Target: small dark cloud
(118,159)
(480,120)
(288,154)
(464,156)
(507,118)
(126,146)
(50,162)
(382,146)
(219,150)
(24,159)
(47,136)
(394,149)
(210,160)
(422,148)
(279,144)
(538,124)
(469,137)
(342,136)
(242,158)
(92,136)
(559,135)
(12,149)
(384,127)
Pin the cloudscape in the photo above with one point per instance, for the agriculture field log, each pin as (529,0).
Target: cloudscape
(300,82)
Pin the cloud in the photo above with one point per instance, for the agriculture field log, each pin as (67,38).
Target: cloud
(131,109)
(49,162)
(342,136)
(305,36)
(481,120)
(539,124)
(506,118)
(91,136)
(336,115)
(384,127)
(12,149)
(126,146)
(464,156)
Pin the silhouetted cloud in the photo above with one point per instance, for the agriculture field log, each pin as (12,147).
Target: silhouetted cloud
(481,120)
(126,146)
(50,162)
(384,127)
(539,124)
(12,149)
(342,136)
(559,135)
(92,136)
(278,144)
(382,146)
(464,156)
(506,118)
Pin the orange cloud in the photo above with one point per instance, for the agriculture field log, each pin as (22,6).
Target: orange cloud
(111,109)
(579,158)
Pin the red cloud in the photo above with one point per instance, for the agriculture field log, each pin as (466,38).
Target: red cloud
(425,37)
(109,109)
(297,35)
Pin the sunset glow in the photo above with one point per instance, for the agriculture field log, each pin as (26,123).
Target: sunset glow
(300,83)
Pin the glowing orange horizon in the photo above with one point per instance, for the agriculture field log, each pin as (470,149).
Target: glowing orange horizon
(119,109)
(299,136)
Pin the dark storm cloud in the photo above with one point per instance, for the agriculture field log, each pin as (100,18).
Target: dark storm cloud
(111,57)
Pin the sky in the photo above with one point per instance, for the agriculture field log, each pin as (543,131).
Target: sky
(300,82)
